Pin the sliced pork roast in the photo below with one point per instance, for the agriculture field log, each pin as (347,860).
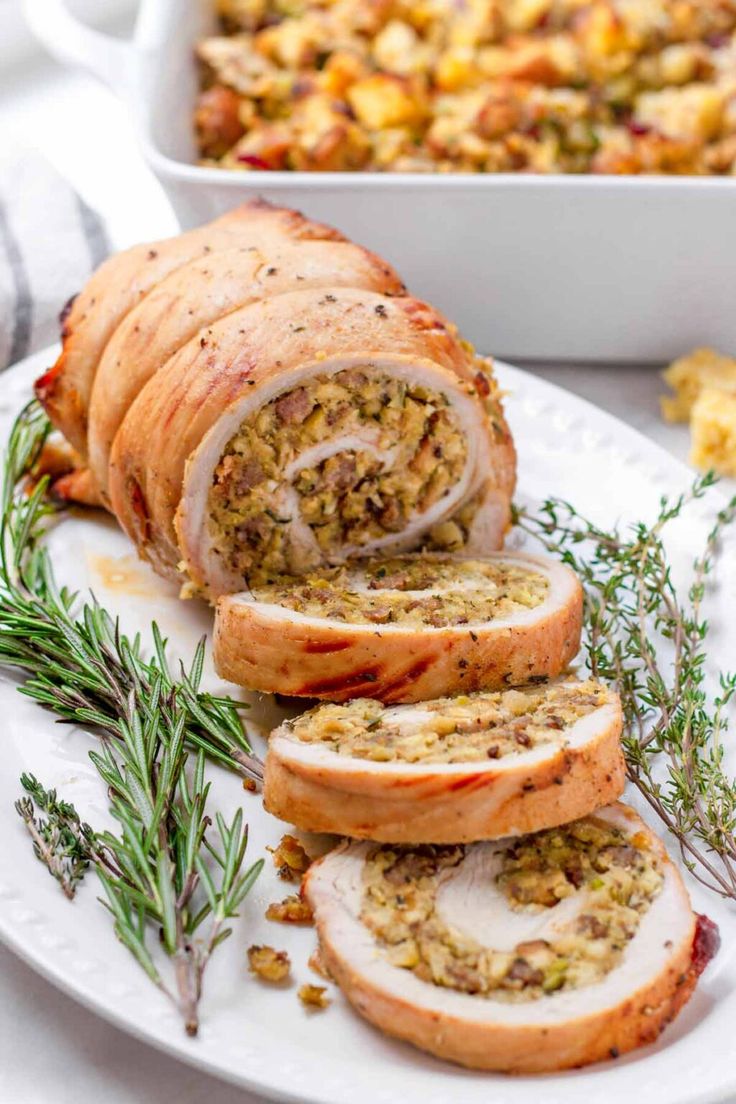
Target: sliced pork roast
(403,629)
(452,770)
(524,955)
(260,397)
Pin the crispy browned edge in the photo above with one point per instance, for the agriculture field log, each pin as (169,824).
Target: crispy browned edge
(64,389)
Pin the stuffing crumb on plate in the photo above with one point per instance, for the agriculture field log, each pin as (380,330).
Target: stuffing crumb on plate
(292,910)
(318,965)
(269,964)
(700,370)
(704,385)
(290,859)
(314,996)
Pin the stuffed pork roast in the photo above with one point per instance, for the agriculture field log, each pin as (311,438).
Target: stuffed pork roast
(452,770)
(260,398)
(404,629)
(90,320)
(538,953)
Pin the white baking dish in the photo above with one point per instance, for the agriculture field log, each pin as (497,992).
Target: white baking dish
(589,268)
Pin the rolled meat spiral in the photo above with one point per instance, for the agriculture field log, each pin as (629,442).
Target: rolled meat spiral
(539,953)
(197,295)
(89,321)
(260,398)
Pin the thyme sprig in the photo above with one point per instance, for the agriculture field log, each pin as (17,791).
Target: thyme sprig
(650,640)
(75,660)
(61,840)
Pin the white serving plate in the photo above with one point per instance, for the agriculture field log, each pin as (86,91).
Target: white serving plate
(261,1038)
(554,268)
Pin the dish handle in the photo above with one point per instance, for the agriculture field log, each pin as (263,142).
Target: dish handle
(74,43)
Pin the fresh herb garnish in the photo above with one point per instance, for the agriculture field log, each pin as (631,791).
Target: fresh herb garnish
(650,641)
(76,661)
(166,870)
(61,841)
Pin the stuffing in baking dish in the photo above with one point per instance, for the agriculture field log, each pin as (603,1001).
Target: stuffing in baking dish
(574,86)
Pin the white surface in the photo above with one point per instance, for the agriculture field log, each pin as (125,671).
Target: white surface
(610,268)
(52,1049)
(258,1036)
(86,133)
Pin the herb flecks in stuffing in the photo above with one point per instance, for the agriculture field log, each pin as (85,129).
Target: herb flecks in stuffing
(408,453)
(540,86)
(614,875)
(462,729)
(290,859)
(412,590)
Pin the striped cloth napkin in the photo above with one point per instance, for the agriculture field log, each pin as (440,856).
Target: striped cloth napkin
(50,241)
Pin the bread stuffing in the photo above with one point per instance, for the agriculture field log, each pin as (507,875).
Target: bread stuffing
(284,431)
(469,728)
(704,386)
(488,86)
(412,590)
(453,770)
(539,953)
(268,964)
(701,370)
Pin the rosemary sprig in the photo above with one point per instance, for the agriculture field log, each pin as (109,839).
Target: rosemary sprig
(166,868)
(78,663)
(649,640)
(61,840)
(162,871)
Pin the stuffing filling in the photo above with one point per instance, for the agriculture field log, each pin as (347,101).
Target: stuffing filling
(333,464)
(313,996)
(412,590)
(292,910)
(614,877)
(542,86)
(268,964)
(470,728)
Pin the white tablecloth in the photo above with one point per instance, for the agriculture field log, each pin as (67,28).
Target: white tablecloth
(51,1049)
